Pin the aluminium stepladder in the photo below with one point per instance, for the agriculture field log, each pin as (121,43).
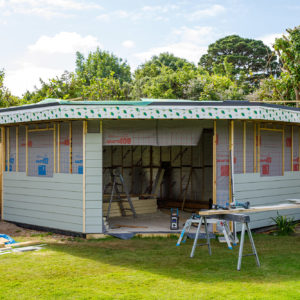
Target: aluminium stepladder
(117,176)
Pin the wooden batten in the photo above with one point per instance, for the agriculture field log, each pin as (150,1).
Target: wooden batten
(3,168)
(282,152)
(254,148)
(17,149)
(292,148)
(84,129)
(26,150)
(54,149)
(231,149)
(258,147)
(244,146)
(7,147)
(215,164)
(58,148)
(70,147)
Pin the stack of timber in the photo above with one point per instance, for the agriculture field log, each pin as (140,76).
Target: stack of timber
(141,206)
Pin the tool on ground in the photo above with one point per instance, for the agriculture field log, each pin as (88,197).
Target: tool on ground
(117,176)
(174,220)
(239,218)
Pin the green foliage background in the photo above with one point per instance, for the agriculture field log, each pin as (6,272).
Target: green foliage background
(234,68)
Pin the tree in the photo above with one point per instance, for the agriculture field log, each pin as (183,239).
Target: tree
(100,64)
(66,86)
(288,51)
(6,98)
(154,66)
(247,56)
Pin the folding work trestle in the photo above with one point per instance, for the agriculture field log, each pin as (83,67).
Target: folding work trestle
(239,218)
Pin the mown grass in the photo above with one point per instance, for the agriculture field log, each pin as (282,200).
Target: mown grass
(151,268)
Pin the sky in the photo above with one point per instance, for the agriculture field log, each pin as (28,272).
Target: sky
(39,38)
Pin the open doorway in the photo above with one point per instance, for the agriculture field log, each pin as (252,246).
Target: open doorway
(157,179)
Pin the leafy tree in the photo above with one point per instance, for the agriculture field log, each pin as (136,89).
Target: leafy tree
(154,66)
(100,64)
(247,56)
(167,84)
(288,50)
(6,98)
(66,86)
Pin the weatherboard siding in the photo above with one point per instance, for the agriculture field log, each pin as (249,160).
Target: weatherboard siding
(93,179)
(54,202)
(267,190)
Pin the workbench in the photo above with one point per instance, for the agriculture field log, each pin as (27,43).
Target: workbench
(237,215)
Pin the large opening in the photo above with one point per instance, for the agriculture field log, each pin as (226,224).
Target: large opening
(175,172)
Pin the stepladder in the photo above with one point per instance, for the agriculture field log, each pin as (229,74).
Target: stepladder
(118,181)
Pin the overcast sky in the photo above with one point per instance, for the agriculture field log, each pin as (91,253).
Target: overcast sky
(39,38)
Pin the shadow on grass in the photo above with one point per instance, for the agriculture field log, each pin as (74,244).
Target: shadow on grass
(279,258)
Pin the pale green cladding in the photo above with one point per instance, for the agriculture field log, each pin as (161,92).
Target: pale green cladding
(93,183)
(53,202)
(267,190)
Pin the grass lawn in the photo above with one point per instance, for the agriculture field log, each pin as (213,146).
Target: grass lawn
(151,268)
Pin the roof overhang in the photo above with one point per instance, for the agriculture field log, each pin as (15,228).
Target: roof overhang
(172,109)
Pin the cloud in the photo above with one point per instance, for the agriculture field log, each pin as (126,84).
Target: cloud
(189,43)
(211,11)
(47,58)
(46,8)
(269,39)
(156,12)
(65,42)
(128,44)
(27,76)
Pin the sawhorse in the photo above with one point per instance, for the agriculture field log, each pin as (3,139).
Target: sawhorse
(239,218)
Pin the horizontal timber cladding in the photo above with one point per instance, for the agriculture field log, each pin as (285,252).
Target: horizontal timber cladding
(262,191)
(54,202)
(93,181)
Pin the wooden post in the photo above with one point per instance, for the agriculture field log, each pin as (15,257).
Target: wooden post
(215,164)
(231,150)
(3,169)
(58,148)
(254,148)
(70,147)
(26,150)
(7,149)
(17,149)
(244,147)
(215,169)
(54,148)
(282,150)
(83,175)
(258,147)
(292,149)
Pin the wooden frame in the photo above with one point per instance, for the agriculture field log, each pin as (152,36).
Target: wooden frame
(244,146)
(17,148)
(258,147)
(58,147)
(282,144)
(26,149)
(292,148)
(3,169)
(84,128)
(215,163)
(7,146)
(231,150)
(254,148)
(70,149)
(54,149)
(215,169)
